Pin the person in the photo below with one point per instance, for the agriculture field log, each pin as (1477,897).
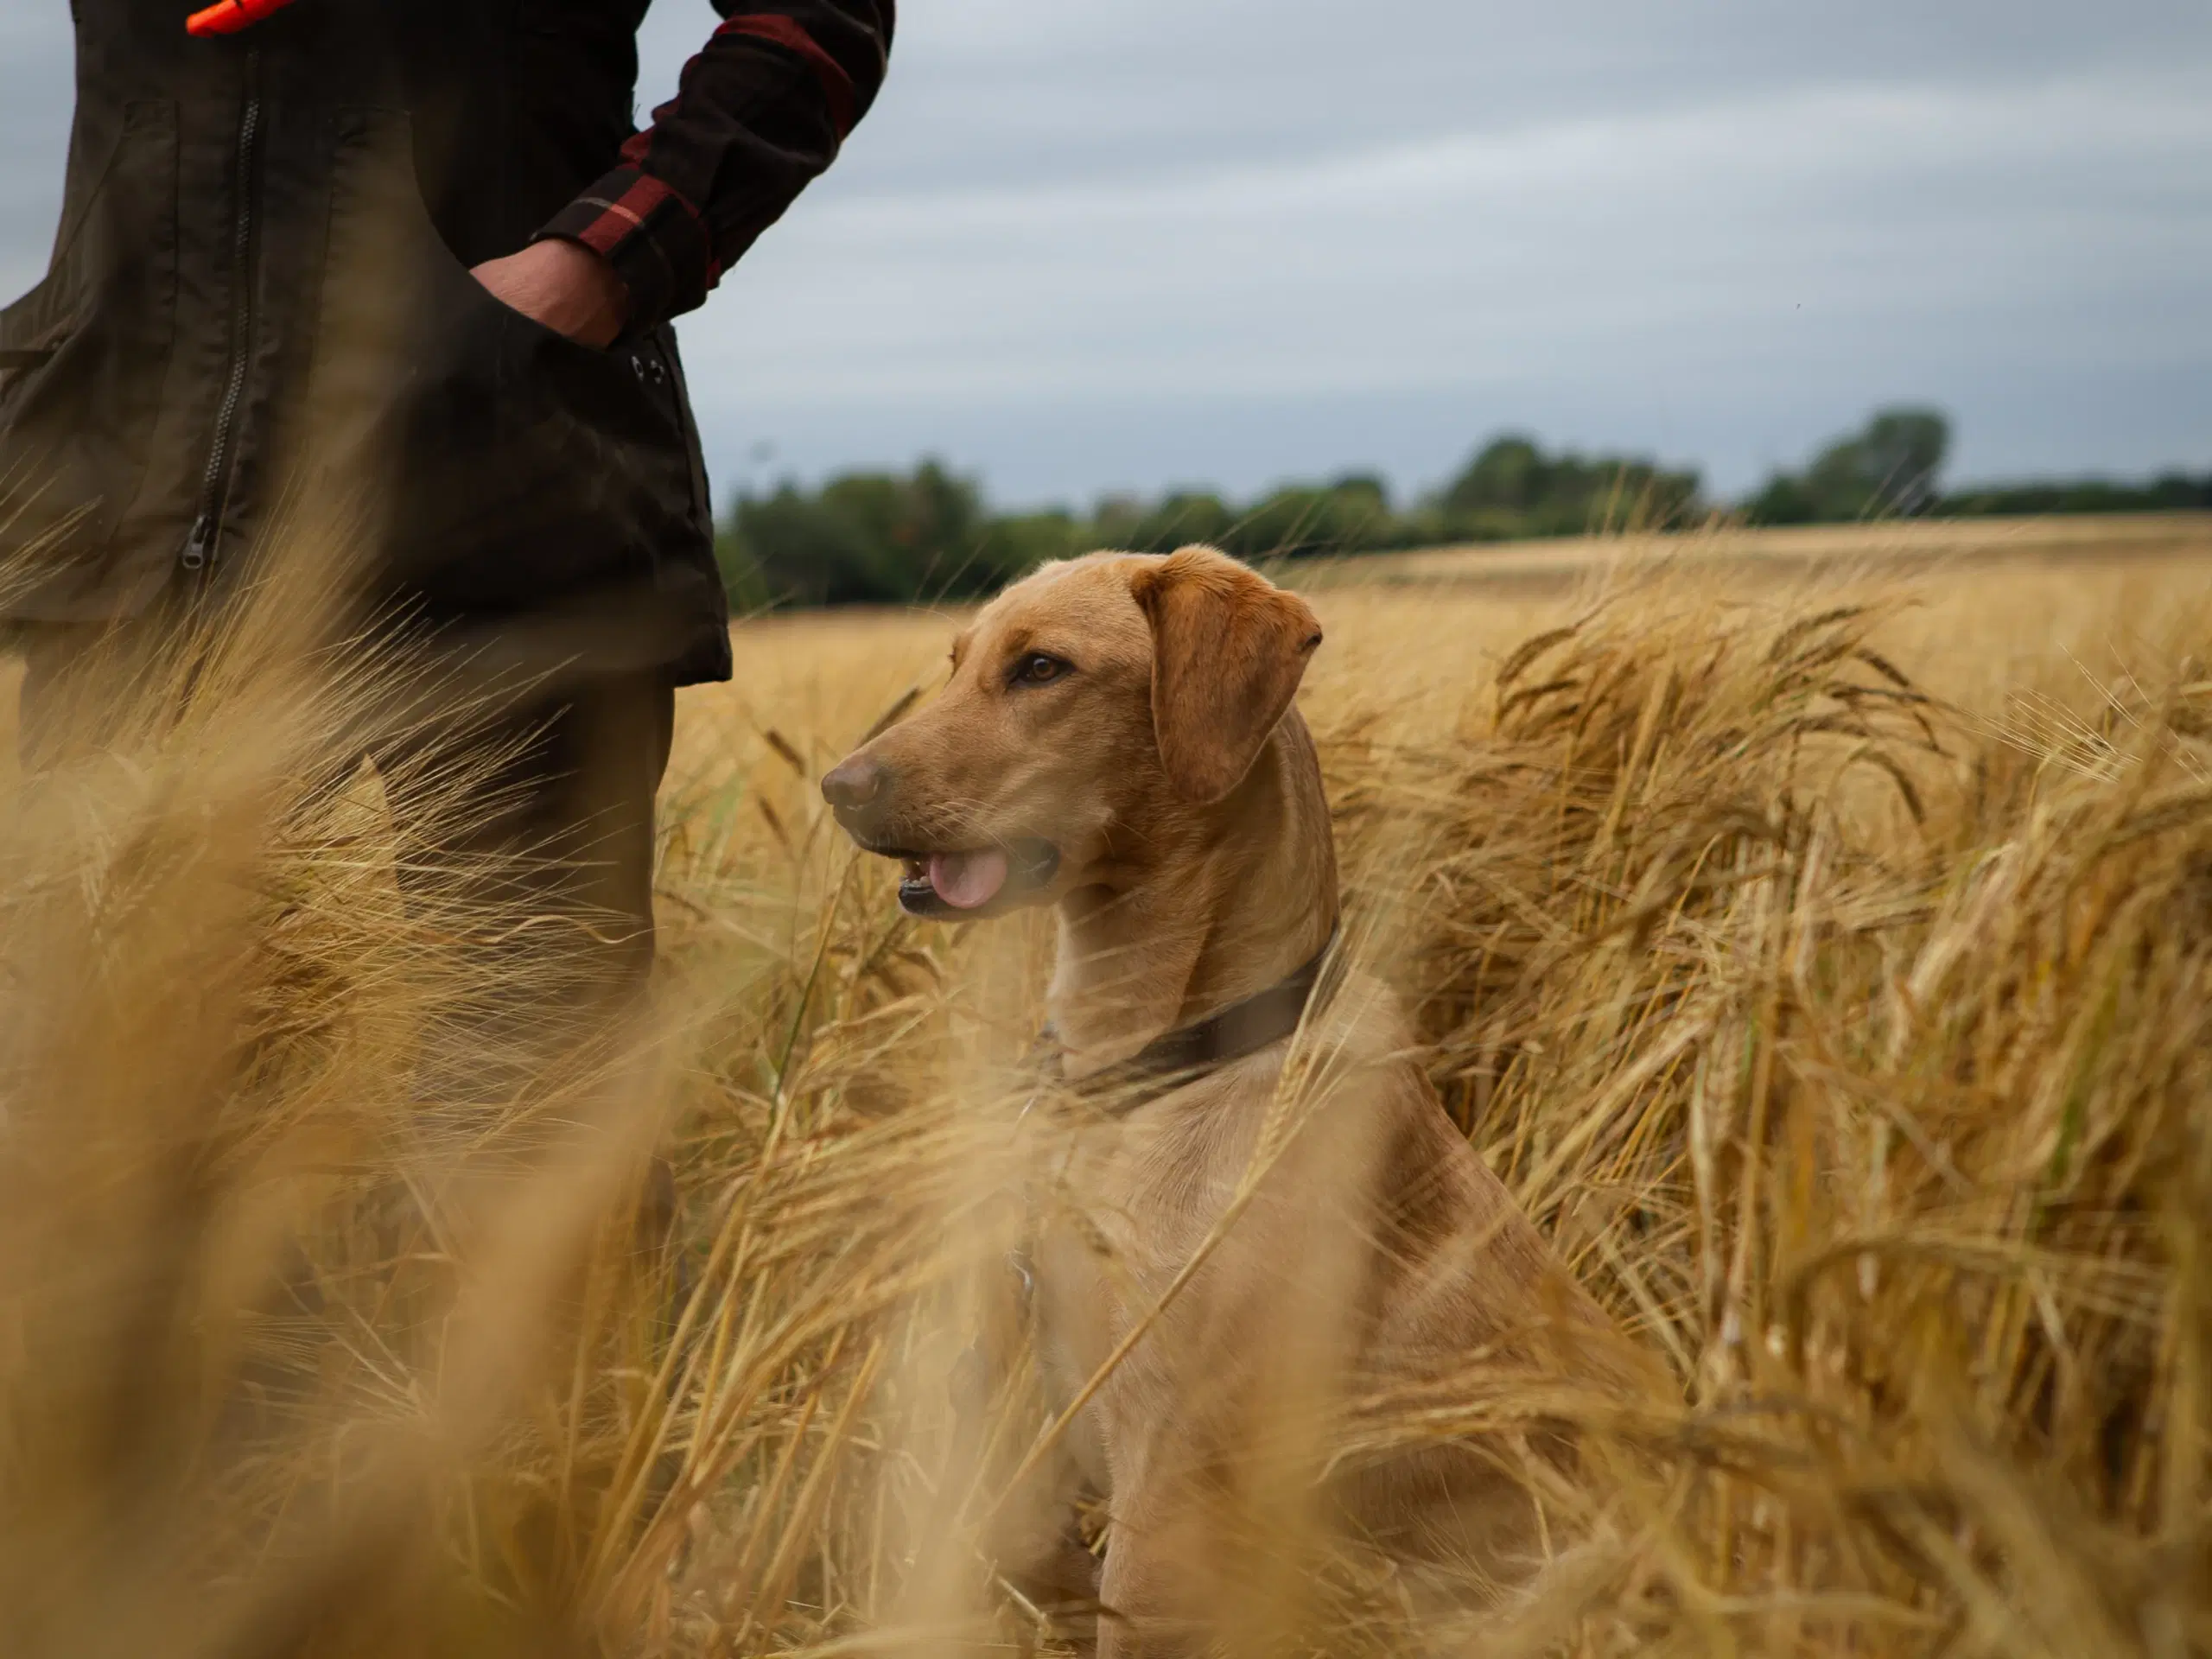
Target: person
(414,250)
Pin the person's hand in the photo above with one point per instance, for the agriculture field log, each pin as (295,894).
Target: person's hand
(563,285)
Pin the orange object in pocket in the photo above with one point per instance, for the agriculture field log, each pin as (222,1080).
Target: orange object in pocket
(229,16)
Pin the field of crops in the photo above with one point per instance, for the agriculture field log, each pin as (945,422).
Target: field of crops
(1820,948)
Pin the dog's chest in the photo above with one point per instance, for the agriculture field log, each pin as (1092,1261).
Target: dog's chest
(1170,1254)
(1133,1203)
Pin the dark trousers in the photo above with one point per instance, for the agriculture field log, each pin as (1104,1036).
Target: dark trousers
(525,840)
(524,824)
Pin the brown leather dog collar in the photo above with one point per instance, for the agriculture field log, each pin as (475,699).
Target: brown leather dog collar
(1189,1052)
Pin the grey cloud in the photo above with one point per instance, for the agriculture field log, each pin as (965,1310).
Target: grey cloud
(993,91)
(1145,241)
(1236,239)
(1932,238)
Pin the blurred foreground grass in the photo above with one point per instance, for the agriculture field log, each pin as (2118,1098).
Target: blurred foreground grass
(1824,962)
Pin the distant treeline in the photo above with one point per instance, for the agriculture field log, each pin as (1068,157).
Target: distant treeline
(890,538)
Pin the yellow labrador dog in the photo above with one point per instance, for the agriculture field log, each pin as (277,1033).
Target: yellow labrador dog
(1118,740)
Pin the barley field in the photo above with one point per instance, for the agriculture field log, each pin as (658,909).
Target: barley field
(1819,947)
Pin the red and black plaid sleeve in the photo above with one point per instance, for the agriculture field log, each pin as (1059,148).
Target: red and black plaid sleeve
(757,114)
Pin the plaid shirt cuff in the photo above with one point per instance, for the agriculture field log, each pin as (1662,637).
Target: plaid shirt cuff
(653,237)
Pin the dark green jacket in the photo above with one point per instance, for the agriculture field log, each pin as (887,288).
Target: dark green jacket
(260,297)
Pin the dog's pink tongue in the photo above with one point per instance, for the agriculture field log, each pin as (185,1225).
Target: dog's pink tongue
(968,880)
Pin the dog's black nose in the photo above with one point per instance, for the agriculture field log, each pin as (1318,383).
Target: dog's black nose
(853,783)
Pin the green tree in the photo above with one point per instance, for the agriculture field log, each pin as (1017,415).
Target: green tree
(866,538)
(792,548)
(1511,488)
(2168,492)
(1176,520)
(1015,544)
(1902,451)
(1352,515)
(1891,467)
(1508,475)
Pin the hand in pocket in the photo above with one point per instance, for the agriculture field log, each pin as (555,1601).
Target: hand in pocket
(562,286)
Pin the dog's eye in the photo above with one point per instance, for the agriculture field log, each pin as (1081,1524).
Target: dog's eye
(1036,669)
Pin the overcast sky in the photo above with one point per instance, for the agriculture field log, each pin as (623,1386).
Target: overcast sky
(1135,243)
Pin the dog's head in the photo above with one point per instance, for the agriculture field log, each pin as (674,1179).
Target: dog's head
(1090,703)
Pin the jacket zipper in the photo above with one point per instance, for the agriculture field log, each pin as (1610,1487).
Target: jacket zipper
(200,546)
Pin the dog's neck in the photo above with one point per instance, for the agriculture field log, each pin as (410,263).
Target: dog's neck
(1216,905)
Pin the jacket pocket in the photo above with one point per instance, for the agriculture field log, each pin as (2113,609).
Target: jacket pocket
(83,355)
(521,469)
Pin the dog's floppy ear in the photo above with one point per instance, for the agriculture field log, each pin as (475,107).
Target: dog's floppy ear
(1228,650)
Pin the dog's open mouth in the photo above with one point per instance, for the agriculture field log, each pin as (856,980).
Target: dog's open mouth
(966,882)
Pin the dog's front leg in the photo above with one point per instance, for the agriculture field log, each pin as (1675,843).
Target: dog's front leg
(1038,1541)
(1153,1590)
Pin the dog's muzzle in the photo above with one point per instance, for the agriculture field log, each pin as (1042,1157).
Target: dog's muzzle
(939,885)
(943,882)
